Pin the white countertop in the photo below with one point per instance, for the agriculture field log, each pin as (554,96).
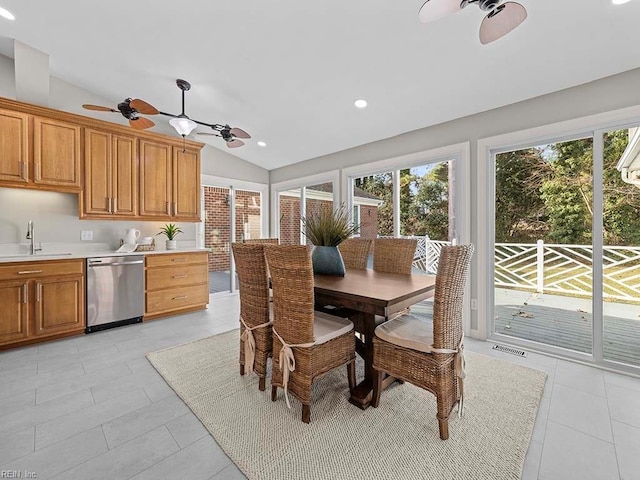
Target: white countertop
(9,258)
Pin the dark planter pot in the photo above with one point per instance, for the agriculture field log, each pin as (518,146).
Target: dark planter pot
(327,261)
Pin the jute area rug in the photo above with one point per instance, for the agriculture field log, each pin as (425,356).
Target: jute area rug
(397,440)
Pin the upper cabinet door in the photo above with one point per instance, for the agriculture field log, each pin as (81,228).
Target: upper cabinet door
(155,179)
(124,175)
(56,153)
(14,147)
(97,172)
(186,184)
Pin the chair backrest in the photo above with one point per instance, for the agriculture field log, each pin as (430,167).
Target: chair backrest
(394,255)
(275,241)
(293,299)
(355,252)
(451,279)
(251,267)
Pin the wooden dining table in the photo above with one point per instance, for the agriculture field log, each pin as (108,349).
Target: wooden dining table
(370,293)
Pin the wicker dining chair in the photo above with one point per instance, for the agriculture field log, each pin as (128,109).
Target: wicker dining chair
(355,253)
(394,255)
(256,340)
(306,344)
(275,241)
(430,354)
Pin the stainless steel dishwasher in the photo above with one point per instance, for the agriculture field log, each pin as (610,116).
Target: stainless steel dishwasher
(115,291)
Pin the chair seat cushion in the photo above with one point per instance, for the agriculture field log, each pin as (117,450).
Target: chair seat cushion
(327,327)
(408,331)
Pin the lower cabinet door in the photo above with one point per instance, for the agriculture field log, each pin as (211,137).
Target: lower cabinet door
(59,305)
(14,318)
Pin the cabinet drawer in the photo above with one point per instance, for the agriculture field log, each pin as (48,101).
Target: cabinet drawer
(177,298)
(164,260)
(176,276)
(26,270)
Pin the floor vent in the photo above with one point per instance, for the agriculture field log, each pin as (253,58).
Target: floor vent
(512,351)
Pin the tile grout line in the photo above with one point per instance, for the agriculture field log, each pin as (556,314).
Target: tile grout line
(579,431)
(615,447)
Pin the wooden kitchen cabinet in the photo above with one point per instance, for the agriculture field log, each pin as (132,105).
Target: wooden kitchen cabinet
(57,156)
(176,282)
(41,300)
(110,176)
(59,305)
(169,182)
(14,321)
(14,148)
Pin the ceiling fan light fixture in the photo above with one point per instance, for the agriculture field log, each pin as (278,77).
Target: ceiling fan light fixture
(433,10)
(7,14)
(360,103)
(262,144)
(183,125)
(501,21)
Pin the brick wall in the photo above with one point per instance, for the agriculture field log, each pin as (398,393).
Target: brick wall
(368,221)
(217,229)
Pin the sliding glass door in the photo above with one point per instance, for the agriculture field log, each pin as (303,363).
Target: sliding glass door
(567,247)
(230,215)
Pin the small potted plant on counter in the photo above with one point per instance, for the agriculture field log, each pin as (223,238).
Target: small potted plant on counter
(171,231)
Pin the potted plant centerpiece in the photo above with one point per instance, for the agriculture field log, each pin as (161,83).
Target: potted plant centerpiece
(326,229)
(171,231)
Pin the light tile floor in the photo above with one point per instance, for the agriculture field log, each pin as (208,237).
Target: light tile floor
(93,407)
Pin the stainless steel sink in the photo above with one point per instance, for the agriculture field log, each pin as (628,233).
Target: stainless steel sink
(39,255)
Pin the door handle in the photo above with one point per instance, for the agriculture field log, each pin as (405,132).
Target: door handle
(116,264)
(25,293)
(38,291)
(26,272)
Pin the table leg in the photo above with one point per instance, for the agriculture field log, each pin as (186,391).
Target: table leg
(363,392)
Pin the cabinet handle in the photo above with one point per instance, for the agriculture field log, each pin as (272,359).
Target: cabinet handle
(179,297)
(25,272)
(38,291)
(168,208)
(115,205)
(180,276)
(179,259)
(175,208)
(25,293)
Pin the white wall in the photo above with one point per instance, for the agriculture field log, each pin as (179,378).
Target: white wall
(56,214)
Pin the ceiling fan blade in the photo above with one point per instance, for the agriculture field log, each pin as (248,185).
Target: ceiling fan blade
(144,107)
(235,143)
(501,21)
(141,123)
(98,108)
(238,132)
(433,10)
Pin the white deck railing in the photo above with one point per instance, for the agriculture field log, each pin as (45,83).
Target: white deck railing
(552,268)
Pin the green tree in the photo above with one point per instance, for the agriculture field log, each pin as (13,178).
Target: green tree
(520,215)
(431,204)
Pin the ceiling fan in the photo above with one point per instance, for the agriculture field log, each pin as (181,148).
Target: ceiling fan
(132,108)
(501,19)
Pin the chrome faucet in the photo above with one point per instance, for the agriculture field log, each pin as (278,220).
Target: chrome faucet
(30,236)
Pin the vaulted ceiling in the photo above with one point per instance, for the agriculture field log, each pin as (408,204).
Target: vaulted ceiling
(289,71)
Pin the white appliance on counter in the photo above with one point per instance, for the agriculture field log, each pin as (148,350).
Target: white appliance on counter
(115,291)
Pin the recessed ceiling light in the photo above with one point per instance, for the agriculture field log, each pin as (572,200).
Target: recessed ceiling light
(360,103)
(619,2)
(7,14)
(262,144)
